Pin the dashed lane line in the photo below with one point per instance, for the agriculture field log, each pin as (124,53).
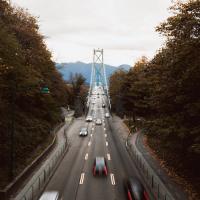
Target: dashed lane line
(108,156)
(82,178)
(106,143)
(112,178)
(86,156)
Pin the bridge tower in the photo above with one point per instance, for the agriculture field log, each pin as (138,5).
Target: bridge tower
(98,74)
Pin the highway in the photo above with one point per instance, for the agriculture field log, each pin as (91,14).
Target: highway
(74,179)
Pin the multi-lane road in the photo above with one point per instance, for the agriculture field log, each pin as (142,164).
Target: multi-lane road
(73,178)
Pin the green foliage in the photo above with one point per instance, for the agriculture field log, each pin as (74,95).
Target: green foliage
(165,90)
(26,68)
(78,93)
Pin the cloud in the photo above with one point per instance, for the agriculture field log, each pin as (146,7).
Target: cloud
(123,27)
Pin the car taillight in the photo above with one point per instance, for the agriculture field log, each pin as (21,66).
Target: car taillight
(146,196)
(129,195)
(94,170)
(105,170)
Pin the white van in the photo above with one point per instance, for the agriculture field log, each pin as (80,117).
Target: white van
(50,195)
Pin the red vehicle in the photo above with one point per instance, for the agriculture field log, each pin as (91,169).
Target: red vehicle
(135,190)
(100,166)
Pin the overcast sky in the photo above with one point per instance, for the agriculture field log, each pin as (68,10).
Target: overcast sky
(125,29)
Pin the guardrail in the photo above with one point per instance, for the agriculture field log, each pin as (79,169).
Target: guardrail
(156,185)
(37,183)
(34,187)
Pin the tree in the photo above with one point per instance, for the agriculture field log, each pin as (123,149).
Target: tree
(116,82)
(78,93)
(25,68)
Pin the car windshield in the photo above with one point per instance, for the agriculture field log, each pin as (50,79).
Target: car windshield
(100,162)
(83,129)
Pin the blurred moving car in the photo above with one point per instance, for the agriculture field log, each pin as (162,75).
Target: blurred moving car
(89,119)
(107,115)
(98,122)
(135,190)
(83,132)
(100,166)
(50,195)
(103,105)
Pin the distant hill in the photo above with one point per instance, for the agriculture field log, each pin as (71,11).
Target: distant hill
(85,69)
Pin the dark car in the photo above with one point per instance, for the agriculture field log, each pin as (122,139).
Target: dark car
(135,190)
(100,166)
(103,105)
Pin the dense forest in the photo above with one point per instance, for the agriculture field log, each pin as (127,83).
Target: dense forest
(31,91)
(165,93)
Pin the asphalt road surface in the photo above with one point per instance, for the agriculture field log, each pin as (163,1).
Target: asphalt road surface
(73,178)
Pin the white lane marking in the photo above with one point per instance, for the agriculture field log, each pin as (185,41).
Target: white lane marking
(92,129)
(82,178)
(112,179)
(105,135)
(89,143)
(104,129)
(106,143)
(108,156)
(86,156)
(91,135)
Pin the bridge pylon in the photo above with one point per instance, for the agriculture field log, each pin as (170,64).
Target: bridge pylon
(98,74)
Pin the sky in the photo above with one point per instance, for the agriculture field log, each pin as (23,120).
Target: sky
(125,29)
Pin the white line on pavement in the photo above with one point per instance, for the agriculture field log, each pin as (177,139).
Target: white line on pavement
(82,178)
(89,143)
(112,179)
(108,156)
(106,143)
(91,135)
(105,135)
(86,156)
(104,129)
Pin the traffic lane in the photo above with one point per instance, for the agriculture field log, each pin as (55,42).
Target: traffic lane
(65,178)
(126,167)
(119,165)
(96,187)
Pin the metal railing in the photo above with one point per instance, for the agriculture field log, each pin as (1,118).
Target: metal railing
(156,185)
(36,185)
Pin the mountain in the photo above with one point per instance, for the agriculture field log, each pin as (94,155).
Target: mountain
(85,69)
